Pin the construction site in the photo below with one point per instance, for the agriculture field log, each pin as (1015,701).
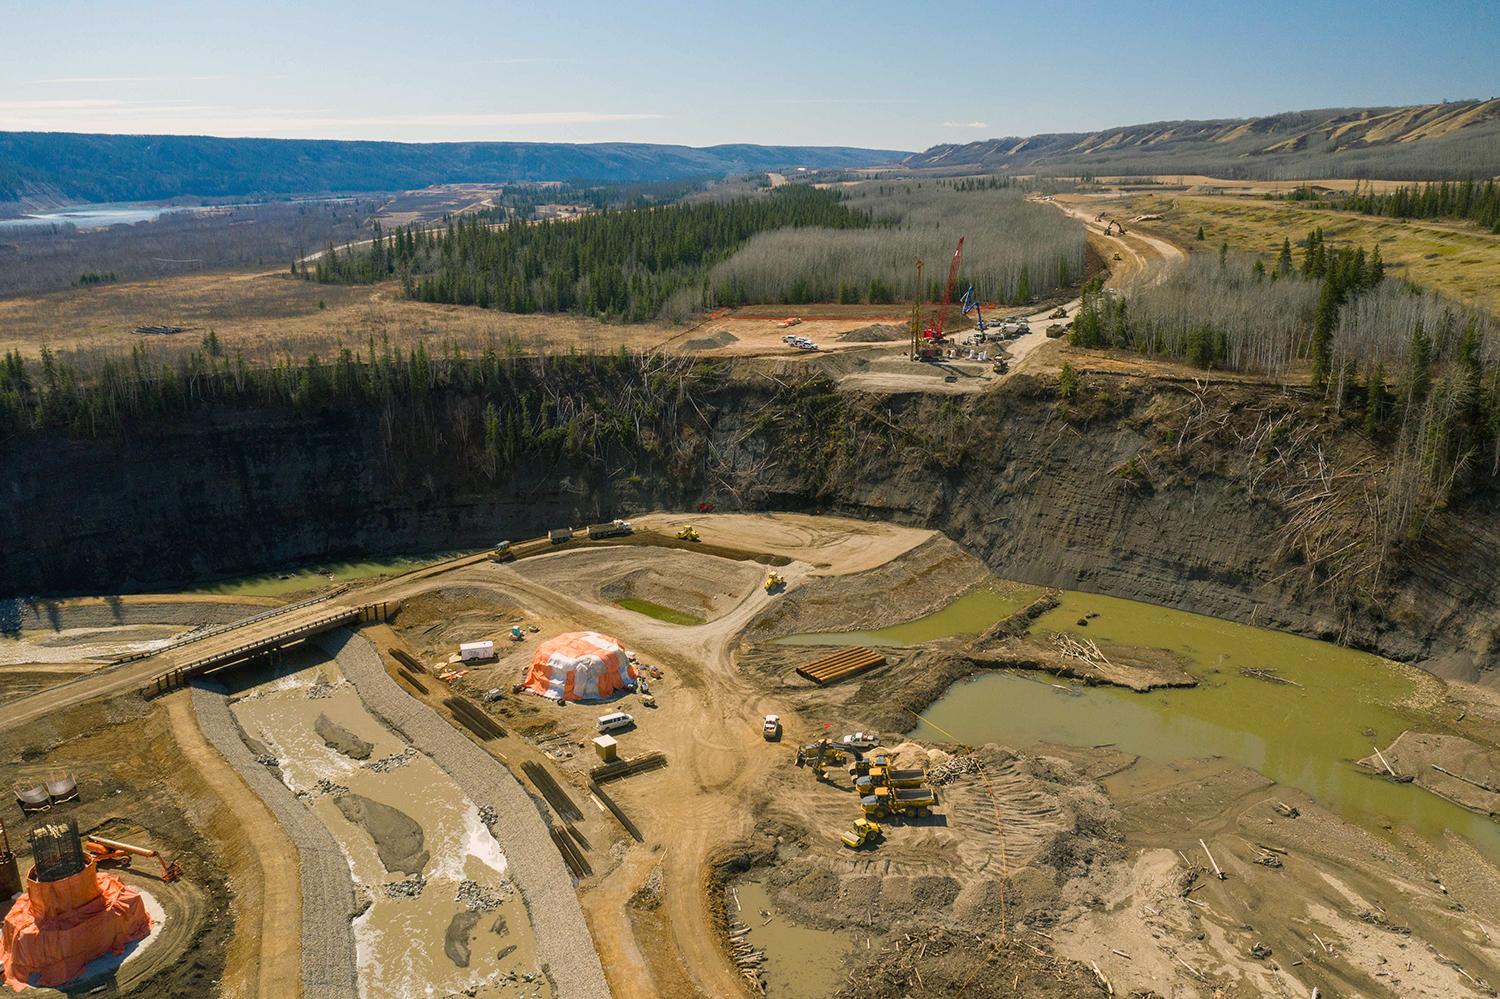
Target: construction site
(635,760)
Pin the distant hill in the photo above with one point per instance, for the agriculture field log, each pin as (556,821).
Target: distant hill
(68,167)
(1456,139)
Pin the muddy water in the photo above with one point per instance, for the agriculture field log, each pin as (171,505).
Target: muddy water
(295,580)
(399,940)
(801,962)
(1304,736)
(970,614)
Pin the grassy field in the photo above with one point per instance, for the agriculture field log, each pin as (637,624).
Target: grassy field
(657,611)
(267,314)
(1454,258)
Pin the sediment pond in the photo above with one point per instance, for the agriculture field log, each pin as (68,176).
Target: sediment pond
(802,962)
(970,614)
(1305,734)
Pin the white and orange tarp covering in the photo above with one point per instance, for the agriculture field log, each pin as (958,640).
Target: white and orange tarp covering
(57,927)
(580,666)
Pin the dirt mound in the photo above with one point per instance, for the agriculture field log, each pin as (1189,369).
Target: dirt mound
(398,838)
(456,940)
(434,622)
(337,737)
(878,333)
(713,341)
(1468,770)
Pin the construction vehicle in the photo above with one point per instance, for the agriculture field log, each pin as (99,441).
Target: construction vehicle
(108,851)
(968,303)
(862,833)
(770,729)
(688,533)
(903,802)
(819,755)
(614,528)
(930,347)
(775,582)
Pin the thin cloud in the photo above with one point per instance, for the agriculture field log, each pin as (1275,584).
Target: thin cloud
(966,124)
(68,80)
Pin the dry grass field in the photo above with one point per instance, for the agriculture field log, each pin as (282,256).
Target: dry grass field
(1455,258)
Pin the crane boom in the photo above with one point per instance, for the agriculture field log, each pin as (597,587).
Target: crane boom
(942,316)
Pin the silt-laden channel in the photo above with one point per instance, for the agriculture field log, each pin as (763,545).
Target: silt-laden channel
(442,918)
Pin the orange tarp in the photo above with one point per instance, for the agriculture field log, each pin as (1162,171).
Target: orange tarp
(57,927)
(580,666)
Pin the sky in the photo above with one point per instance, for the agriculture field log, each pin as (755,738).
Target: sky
(883,75)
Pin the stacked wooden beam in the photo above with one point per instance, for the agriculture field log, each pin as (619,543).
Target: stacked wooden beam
(841,664)
(627,768)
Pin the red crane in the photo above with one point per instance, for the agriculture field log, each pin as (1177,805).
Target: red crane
(934,333)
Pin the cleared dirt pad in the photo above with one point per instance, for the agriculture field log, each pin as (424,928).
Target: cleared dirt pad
(704,586)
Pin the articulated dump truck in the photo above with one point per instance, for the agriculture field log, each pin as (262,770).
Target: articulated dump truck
(906,802)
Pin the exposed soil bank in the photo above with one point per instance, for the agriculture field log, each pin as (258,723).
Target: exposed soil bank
(1137,488)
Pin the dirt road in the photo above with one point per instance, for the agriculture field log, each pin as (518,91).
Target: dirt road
(263,958)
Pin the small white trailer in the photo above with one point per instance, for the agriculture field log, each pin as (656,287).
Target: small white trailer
(471,651)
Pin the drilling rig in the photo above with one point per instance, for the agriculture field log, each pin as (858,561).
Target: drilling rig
(931,346)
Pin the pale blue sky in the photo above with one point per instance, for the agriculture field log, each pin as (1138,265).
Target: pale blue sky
(893,75)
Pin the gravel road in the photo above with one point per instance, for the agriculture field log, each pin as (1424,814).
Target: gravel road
(564,944)
(328,905)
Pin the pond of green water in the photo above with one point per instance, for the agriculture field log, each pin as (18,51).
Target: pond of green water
(658,611)
(1304,736)
(968,615)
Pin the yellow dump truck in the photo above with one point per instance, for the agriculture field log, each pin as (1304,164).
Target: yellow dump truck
(909,802)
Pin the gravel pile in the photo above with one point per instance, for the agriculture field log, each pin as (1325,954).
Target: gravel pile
(408,887)
(267,760)
(321,688)
(388,763)
(328,902)
(488,815)
(564,945)
(477,898)
(326,786)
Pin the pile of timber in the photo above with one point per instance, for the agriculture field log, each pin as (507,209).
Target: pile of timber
(407,661)
(840,665)
(544,782)
(747,958)
(158,330)
(409,678)
(473,719)
(572,854)
(627,768)
(616,811)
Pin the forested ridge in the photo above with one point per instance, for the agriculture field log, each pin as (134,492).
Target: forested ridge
(793,245)
(1473,200)
(621,263)
(84,167)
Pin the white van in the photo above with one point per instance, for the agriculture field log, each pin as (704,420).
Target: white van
(615,721)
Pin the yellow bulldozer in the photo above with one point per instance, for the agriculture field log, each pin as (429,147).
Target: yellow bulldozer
(688,533)
(775,582)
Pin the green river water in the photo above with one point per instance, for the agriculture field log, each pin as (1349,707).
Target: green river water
(284,581)
(1306,737)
